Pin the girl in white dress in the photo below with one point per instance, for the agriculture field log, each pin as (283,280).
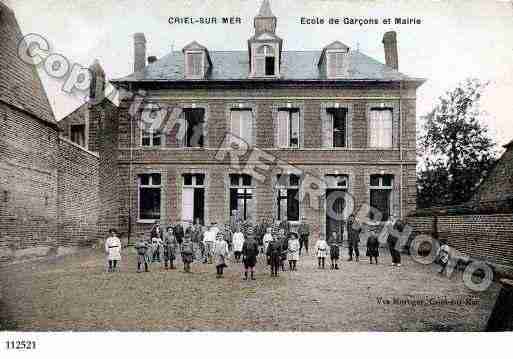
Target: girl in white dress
(321,247)
(113,250)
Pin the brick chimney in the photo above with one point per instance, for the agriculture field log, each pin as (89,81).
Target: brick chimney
(390,45)
(139,51)
(97,87)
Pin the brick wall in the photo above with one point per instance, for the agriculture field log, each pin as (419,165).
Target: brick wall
(28,184)
(48,189)
(484,237)
(78,201)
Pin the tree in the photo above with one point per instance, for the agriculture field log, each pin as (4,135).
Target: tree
(457,148)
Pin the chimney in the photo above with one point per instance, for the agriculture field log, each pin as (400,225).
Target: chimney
(390,45)
(97,86)
(139,52)
(152,59)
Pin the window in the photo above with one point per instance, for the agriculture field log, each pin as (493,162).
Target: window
(242,124)
(381,193)
(288,197)
(242,195)
(381,127)
(194,64)
(193,198)
(337,119)
(335,64)
(288,128)
(149,196)
(194,119)
(265,61)
(77,134)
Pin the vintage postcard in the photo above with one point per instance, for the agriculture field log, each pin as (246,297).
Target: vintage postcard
(255,166)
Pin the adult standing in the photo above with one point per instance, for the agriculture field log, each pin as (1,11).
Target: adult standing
(353,237)
(170,246)
(293,251)
(268,237)
(249,255)
(208,241)
(179,233)
(113,250)
(394,227)
(220,254)
(197,236)
(304,233)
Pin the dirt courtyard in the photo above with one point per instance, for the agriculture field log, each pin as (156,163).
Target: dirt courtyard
(75,293)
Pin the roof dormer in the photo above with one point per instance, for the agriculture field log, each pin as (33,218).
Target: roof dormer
(334,60)
(197,61)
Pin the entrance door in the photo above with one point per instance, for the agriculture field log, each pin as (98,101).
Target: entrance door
(334,212)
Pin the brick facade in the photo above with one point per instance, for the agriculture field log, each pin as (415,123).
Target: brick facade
(487,237)
(358,160)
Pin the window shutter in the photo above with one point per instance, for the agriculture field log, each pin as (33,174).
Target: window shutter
(259,65)
(328,131)
(246,126)
(339,63)
(387,128)
(188,70)
(235,123)
(332,64)
(373,129)
(187,205)
(283,129)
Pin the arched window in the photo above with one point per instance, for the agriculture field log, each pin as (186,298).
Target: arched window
(265,61)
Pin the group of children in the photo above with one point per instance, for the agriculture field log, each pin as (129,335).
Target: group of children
(215,245)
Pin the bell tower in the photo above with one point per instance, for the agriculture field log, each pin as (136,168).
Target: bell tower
(265,21)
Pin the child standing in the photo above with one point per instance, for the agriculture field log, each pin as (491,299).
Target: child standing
(238,242)
(170,245)
(141,247)
(321,248)
(334,250)
(373,247)
(220,253)
(273,256)
(293,251)
(113,250)
(187,251)
(249,255)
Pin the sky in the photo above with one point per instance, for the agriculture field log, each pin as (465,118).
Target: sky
(456,39)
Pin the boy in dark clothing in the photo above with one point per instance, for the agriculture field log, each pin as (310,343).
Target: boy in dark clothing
(249,255)
(274,256)
(304,232)
(373,247)
(141,248)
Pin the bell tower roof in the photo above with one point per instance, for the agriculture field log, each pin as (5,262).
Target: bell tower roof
(265,21)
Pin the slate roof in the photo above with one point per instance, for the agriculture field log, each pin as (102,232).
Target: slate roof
(295,65)
(20,85)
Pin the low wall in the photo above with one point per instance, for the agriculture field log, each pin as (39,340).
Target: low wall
(487,237)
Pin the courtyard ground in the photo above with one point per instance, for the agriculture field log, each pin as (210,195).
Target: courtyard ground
(76,293)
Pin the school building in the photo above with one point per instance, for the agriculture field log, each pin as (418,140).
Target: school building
(269,132)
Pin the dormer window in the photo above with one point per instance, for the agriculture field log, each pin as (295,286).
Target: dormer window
(197,61)
(334,60)
(335,63)
(194,64)
(265,61)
